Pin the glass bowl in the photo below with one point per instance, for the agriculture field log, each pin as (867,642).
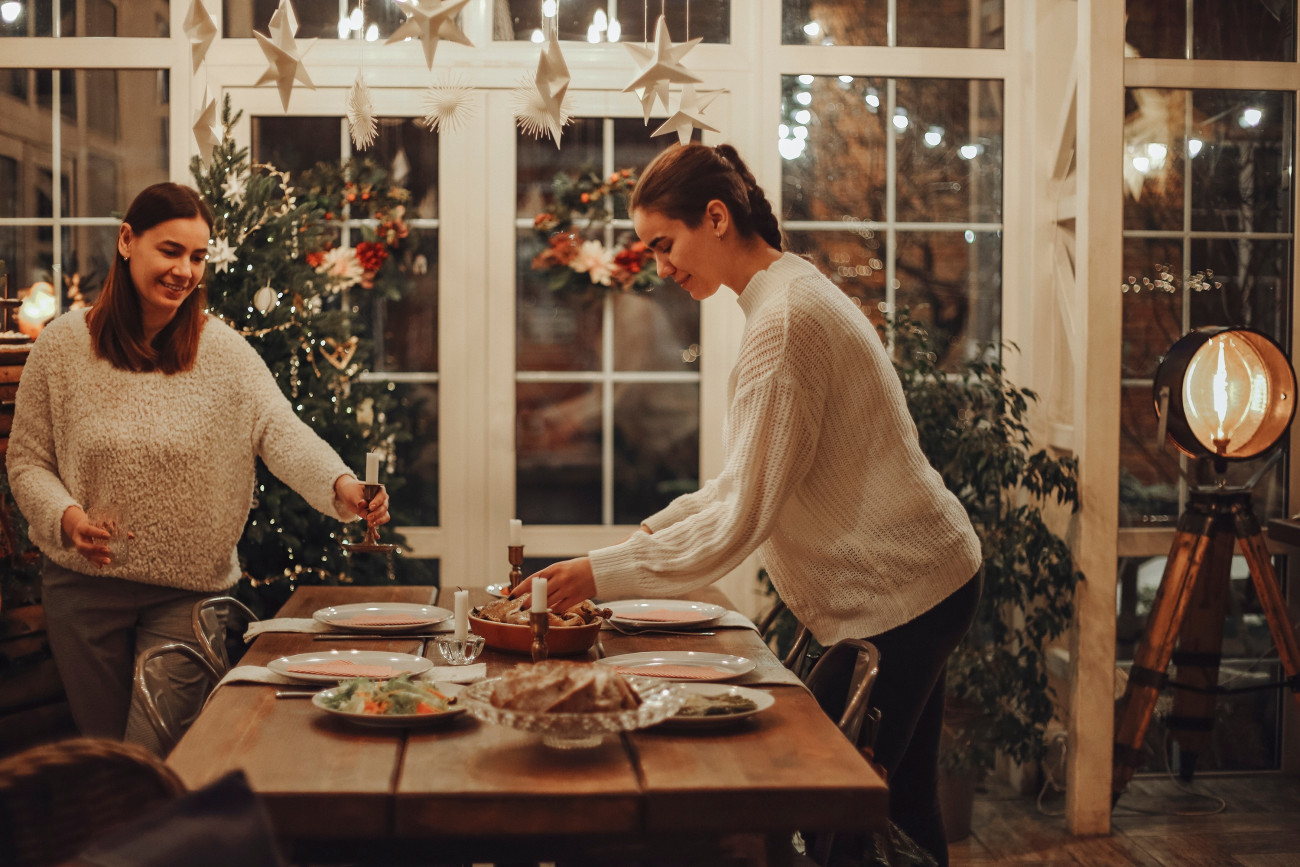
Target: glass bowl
(567,731)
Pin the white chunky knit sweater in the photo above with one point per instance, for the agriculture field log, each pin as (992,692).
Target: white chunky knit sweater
(175,451)
(822,470)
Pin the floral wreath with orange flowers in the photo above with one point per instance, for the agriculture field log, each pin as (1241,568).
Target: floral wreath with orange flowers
(361,190)
(576,258)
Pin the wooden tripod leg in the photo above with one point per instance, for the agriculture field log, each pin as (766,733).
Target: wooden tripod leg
(1191,544)
(1270,595)
(1200,645)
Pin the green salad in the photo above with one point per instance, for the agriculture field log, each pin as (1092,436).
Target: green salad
(399,696)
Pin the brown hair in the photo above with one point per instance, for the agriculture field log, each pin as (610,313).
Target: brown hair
(115,322)
(682,180)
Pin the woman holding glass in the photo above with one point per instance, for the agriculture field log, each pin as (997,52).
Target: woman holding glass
(822,473)
(132,457)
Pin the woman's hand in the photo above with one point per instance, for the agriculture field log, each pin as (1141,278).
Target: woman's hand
(352,494)
(567,583)
(90,541)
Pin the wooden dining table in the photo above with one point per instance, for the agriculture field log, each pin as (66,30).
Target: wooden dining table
(471,790)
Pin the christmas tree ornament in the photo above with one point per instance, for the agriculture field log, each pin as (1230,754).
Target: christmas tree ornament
(221,254)
(265,300)
(201,29)
(430,21)
(361,115)
(689,114)
(661,65)
(207,129)
(283,55)
(540,100)
(338,354)
(448,105)
(235,186)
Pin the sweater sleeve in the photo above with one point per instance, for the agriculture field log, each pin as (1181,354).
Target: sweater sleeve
(32,457)
(774,420)
(291,449)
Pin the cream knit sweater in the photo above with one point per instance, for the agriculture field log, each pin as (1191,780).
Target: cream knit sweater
(822,473)
(176,451)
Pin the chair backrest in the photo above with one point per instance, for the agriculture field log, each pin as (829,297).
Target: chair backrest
(842,679)
(171,682)
(56,797)
(219,625)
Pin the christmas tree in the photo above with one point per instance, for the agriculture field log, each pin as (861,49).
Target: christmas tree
(277,275)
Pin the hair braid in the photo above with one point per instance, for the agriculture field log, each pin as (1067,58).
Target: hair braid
(762,219)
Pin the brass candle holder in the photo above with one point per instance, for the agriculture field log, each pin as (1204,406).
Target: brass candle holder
(369,543)
(516,564)
(541,623)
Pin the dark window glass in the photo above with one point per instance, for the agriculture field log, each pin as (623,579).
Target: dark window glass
(591,21)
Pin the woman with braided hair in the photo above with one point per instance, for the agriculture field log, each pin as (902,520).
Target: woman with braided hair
(822,473)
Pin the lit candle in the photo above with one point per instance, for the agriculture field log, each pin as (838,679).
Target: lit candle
(372,468)
(462,614)
(516,532)
(539,595)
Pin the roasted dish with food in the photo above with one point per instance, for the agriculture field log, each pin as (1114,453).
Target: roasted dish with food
(515,612)
(560,686)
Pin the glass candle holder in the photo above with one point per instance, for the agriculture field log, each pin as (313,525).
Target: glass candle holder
(460,651)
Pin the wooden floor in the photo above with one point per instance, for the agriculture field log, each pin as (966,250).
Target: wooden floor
(1155,823)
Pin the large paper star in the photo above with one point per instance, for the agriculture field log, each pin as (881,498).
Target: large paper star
(430,24)
(201,29)
(663,63)
(282,53)
(689,114)
(540,104)
(207,129)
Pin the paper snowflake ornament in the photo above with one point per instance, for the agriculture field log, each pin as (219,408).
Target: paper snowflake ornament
(207,129)
(659,67)
(282,53)
(689,114)
(201,29)
(361,115)
(448,105)
(429,21)
(540,102)
(220,254)
(235,187)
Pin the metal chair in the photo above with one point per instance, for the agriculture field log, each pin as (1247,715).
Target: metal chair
(171,682)
(799,657)
(219,625)
(57,797)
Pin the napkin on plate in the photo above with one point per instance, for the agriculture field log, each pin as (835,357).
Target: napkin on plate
(308,624)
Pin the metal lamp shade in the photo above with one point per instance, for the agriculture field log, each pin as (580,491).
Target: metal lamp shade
(1231,393)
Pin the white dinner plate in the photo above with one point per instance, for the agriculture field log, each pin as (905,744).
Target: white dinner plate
(394,721)
(399,663)
(762,701)
(694,665)
(664,613)
(501,591)
(370,616)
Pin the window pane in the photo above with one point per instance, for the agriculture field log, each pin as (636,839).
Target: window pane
(317,19)
(410,155)
(580,20)
(122,148)
(556,331)
(952,282)
(1155,147)
(539,162)
(406,330)
(656,446)
(1241,176)
(416,499)
(36,19)
(1148,469)
(1156,28)
(949,141)
(835,22)
(854,261)
(293,144)
(950,23)
(657,330)
(88,252)
(1152,317)
(1221,29)
(557,453)
(927,23)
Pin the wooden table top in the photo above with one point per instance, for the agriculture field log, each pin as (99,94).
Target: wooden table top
(322,777)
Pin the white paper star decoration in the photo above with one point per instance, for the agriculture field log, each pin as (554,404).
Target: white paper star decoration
(207,129)
(448,104)
(429,21)
(235,187)
(282,53)
(361,115)
(540,102)
(201,30)
(220,253)
(659,67)
(689,114)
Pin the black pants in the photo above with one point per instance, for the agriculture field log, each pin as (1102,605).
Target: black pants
(909,694)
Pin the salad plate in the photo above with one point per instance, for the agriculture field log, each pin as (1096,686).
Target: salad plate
(392,704)
(381,616)
(690,665)
(663,612)
(332,666)
(714,705)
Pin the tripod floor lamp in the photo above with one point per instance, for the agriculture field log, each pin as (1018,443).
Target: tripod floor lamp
(1222,394)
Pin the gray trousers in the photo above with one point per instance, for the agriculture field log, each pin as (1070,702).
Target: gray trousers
(96,626)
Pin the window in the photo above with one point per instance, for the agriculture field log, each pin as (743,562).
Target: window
(85,18)
(610,21)
(945,24)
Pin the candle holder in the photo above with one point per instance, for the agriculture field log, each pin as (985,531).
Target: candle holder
(516,562)
(541,624)
(369,543)
(460,651)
